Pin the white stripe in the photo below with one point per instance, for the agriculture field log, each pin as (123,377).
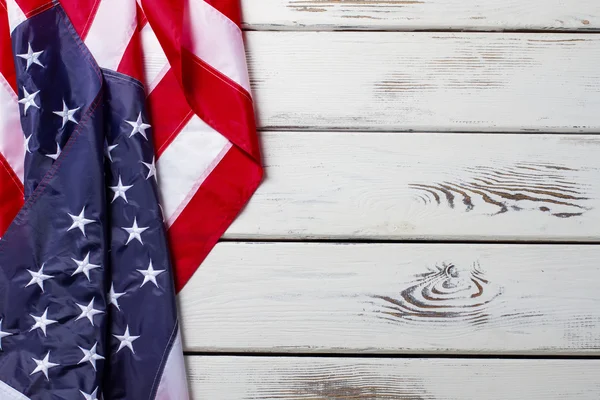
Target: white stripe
(15,14)
(186,163)
(215,39)
(173,382)
(8,393)
(156,64)
(111,31)
(12,140)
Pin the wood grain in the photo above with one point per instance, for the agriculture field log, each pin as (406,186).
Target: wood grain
(426,81)
(542,185)
(344,185)
(401,379)
(395,298)
(421,14)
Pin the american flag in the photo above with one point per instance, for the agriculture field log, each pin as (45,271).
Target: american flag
(127,147)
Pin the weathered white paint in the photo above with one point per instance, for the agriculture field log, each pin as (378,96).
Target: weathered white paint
(426,81)
(421,14)
(346,185)
(412,298)
(240,378)
(303,297)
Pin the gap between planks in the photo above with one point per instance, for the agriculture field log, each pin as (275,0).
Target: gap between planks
(349,241)
(276,28)
(383,356)
(380,130)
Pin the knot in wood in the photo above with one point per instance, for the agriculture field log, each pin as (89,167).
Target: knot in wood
(446,291)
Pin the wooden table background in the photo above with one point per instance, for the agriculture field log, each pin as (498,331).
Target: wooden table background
(429,226)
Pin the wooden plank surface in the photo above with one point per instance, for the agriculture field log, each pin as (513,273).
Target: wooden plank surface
(421,14)
(395,298)
(415,379)
(344,185)
(426,81)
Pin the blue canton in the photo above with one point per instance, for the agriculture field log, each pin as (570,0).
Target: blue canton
(87,302)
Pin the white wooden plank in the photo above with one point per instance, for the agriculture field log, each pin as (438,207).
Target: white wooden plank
(345,185)
(421,14)
(415,379)
(426,81)
(395,298)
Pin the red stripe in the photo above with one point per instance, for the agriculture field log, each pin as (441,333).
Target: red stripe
(32,7)
(131,63)
(11,195)
(81,13)
(231,9)
(11,189)
(221,103)
(170,111)
(213,208)
(7,66)
(166,18)
(141,17)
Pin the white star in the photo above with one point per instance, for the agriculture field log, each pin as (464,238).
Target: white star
(57,154)
(135,232)
(27,139)
(67,114)
(42,322)
(150,274)
(32,57)
(151,169)
(84,266)
(109,149)
(80,221)
(90,356)
(43,365)
(120,190)
(28,100)
(38,277)
(88,312)
(138,126)
(92,396)
(113,297)
(126,340)
(3,334)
